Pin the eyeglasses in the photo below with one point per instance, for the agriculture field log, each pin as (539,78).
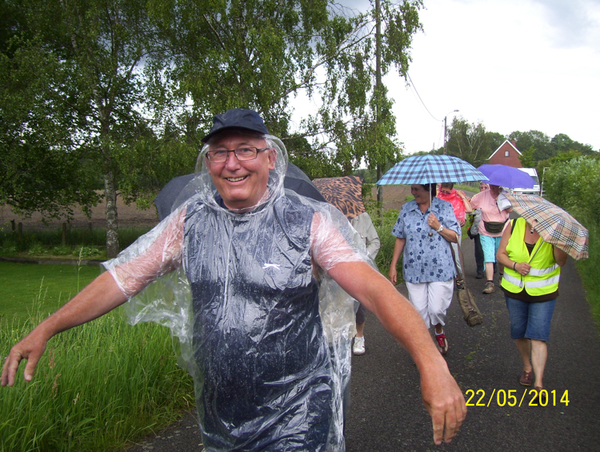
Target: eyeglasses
(242,154)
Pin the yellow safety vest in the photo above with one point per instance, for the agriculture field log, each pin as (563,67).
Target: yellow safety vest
(545,272)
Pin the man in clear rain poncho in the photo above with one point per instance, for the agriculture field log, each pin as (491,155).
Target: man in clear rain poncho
(254,274)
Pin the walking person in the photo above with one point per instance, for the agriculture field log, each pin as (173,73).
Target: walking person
(364,226)
(530,286)
(461,206)
(252,258)
(493,220)
(345,193)
(424,230)
(473,233)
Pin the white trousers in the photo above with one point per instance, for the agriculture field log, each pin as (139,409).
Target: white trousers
(431,300)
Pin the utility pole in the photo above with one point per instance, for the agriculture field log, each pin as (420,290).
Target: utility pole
(378,95)
(445,132)
(446,129)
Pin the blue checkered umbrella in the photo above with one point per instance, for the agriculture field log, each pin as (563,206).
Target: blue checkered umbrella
(430,169)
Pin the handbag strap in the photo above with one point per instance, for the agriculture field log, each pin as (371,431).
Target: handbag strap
(460,258)
(467,291)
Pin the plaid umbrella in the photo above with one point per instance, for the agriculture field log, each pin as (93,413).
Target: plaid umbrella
(553,224)
(345,193)
(429,169)
(507,176)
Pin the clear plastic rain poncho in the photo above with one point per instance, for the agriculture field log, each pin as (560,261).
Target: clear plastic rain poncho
(264,332)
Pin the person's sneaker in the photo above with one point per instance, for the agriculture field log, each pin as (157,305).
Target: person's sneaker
(479,275)
(359,346)
(526,379)
(442,343)
(489,287)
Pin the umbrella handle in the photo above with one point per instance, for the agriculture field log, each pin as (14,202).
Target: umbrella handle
(535,251)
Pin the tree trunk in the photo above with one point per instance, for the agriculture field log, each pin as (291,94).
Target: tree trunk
(380,193)
(378,96)
(112,224)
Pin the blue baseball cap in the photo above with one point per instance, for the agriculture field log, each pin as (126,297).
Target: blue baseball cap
(238,118)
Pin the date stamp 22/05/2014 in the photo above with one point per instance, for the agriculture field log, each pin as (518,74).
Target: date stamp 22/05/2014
(512,397)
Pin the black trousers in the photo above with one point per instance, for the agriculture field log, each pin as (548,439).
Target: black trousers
(479,255)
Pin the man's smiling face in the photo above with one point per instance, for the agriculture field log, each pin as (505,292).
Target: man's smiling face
(241,184)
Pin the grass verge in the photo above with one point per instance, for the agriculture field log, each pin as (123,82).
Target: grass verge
(98,386)
(22,284)
(588,271)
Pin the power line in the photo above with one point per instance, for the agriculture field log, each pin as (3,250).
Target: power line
(419,96)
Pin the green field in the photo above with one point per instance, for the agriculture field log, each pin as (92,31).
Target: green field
(21,285)
(100,386)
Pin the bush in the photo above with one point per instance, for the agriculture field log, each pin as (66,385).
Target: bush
(62,250)
(384,230)
(574,185)
(87,251)
(9,247)
(37,248)
(50,241)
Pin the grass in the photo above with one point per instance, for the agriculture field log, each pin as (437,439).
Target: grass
(22,284)
(97,387)
(588,271)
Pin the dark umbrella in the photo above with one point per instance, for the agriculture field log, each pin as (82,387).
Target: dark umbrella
(178,189)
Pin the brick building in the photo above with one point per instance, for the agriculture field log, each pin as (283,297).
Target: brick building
(507,154)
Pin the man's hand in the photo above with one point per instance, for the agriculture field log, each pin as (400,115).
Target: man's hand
(31,348)
(96,299)
(445,403)
(441,395)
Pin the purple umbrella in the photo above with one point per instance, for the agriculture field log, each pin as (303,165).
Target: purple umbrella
(507,176)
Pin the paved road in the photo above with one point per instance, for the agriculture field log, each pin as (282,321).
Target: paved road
(387,414)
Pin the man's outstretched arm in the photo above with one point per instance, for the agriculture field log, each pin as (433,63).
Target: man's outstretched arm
(99,297)
(441,395)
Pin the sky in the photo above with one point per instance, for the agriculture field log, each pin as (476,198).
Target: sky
(512,65)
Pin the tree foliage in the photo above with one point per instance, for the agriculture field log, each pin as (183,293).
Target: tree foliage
(263,54)
(120,90)
(470,142)
(574,185)
(356,108)
(473,143)
(536,146)
(42,168)
(78,105)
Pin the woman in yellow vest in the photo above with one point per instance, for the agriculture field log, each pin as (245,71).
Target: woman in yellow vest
(530,285)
